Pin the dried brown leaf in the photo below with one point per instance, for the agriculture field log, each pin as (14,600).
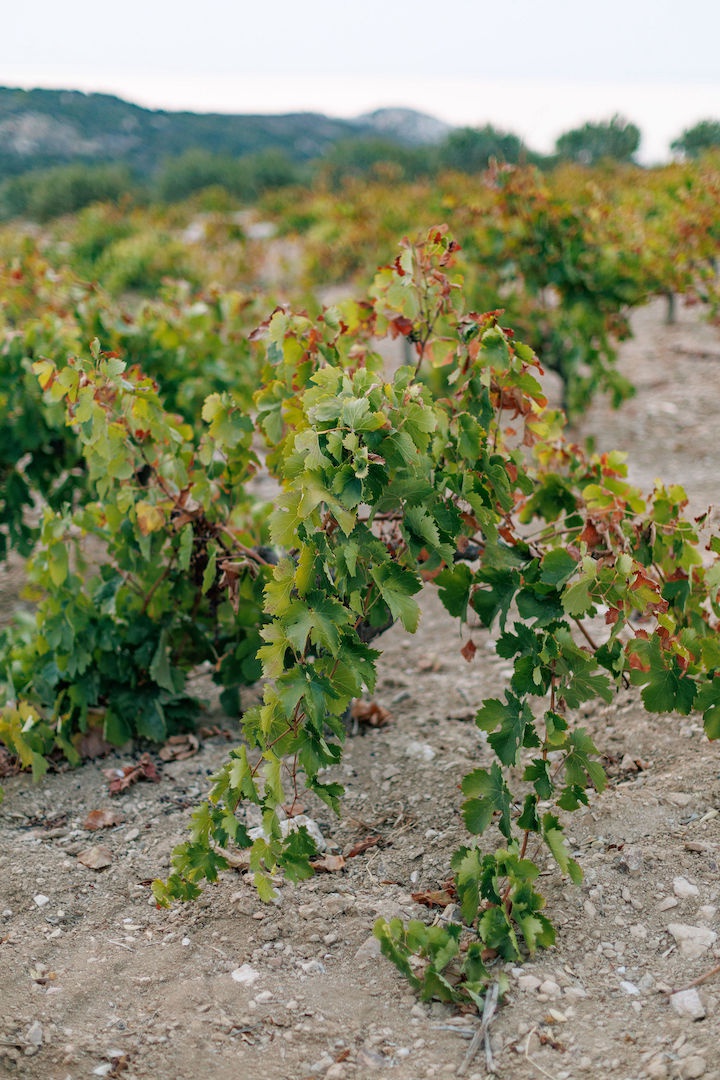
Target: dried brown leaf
(97,857)
(102,819)
(370,713)
(179,748)
(363,845)
(468,650)
(328,864)
(121,779)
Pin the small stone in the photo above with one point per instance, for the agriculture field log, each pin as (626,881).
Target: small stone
(667,902)
(679,798)
(421,751)
(707,911)
(628,987)
(688,1003)
(656,1069)
(41,900)
(550,988)
(693,1067)
(369,950)
(34,1034)
(264,997)
(132,834)
(336,1072)
(312,967)
(692,941)
(246,975)
(630,861)
(684,888)
(556,1016)
(529,983)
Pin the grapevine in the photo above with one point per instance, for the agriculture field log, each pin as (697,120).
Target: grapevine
(452,470)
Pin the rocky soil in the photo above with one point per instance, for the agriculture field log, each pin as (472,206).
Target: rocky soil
(96,981)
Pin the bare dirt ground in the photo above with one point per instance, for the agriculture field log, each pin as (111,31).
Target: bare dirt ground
(95,981)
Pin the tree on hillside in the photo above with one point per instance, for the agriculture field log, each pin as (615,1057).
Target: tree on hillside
(696,140)
(470,149)
(617,139)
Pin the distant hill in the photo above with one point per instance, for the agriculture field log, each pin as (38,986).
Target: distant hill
(406,126)
(39,128)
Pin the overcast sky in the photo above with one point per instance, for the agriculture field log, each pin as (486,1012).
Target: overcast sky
(535,66)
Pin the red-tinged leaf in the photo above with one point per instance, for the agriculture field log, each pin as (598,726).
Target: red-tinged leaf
(468,650)
(363,845)
(590,535)
(636,664)
(102,819)
(328,864)
(612,615)
(400,327)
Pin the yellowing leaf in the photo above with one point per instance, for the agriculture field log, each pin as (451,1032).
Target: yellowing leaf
(150,518)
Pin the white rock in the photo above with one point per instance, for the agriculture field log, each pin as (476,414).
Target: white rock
(528,983)
(264,997)
(694,1067)
(550,988)
(312,967)
(369,950)
(628,987)
(34,1034)
(692,941)
(684,888)
(292,825)
(667,903)
(707,911)
(688,1003)
(422,751)
(41,900)
(246,975)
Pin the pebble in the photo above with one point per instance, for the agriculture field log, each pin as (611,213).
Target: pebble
(421,751)
(684,888)
(668,902)
(657,1069)
(312,967)
(41,900)
(34,1034)
(289,825)
(707,911)
(529,983)
(336,1072)
(628,987)
(369,950)
(689,1004)
(630,862)
(693,1067)
(692,941)
(245,974)
(264,997)
(550,988)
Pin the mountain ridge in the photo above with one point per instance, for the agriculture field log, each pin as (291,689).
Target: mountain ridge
(40,127)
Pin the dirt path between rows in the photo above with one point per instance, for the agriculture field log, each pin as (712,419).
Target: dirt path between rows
(95,981)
